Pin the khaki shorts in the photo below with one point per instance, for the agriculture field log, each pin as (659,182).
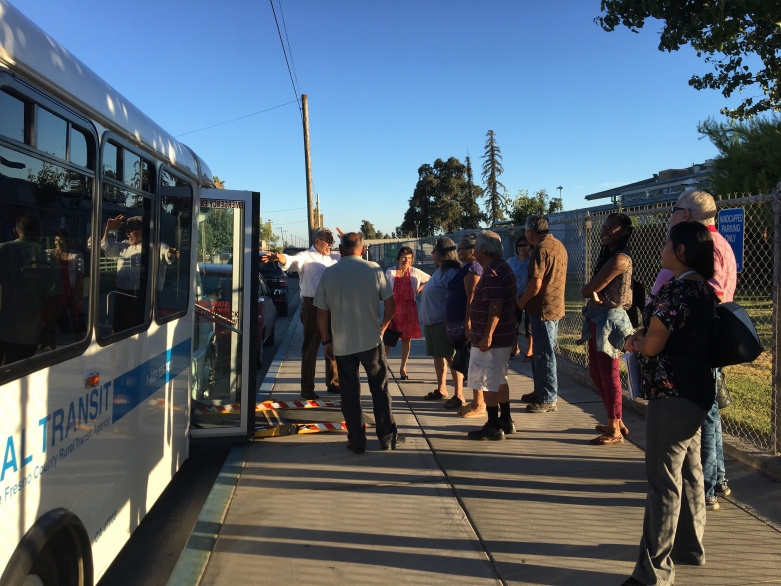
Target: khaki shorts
(488,370)
(437,344)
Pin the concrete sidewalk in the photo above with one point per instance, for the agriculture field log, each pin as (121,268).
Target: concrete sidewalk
(542,507)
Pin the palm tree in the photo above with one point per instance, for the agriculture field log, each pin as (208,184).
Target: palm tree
(218,183)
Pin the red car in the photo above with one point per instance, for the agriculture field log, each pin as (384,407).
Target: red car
(218,289)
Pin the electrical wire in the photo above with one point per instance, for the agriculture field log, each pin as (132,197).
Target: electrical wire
(295,90)
(290,50)
(235,119)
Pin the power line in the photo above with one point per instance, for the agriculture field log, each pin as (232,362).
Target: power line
(235,119)
(292,60)
(295,91)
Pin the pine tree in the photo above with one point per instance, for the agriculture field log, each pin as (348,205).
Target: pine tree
(471,215)
(492,168)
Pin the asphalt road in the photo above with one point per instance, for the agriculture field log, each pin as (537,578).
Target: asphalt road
(149,557)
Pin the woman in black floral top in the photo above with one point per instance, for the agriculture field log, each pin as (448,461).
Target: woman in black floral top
(674,348)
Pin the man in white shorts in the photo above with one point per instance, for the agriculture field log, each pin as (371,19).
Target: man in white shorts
(493,336)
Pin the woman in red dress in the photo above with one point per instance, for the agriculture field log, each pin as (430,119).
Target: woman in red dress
(406,281)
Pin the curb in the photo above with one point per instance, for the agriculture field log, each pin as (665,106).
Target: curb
(193,560)
(763,462)
(271,375)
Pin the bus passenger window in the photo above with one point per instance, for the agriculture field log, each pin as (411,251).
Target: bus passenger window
(123,302)
(173,285)
(78,154)
(131,169)
(51,133)
(110,167)
(12,118)
(45,223)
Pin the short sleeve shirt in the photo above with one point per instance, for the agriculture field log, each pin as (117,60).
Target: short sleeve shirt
(496,284)
(352,291)
(455,301)
(681,369)
(549,264)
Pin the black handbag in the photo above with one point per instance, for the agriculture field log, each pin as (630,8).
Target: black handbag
(735,339)
(390,338)
(461,358)
(723,398)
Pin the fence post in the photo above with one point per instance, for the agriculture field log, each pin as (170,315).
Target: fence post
(776,389)
(586,273)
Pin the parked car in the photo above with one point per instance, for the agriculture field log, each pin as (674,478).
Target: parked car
(291,251)
(217,287)
(276,279)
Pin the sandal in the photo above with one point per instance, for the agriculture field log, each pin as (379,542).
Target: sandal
(469,411)
(434,395)
(527,359)
(605,429)
(454,403)
(607,440)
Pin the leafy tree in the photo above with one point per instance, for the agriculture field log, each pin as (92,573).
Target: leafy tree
(442,201)
(267,234)
(492,168)
(749,157)
(539,204)
(218,183)
(368,230)
(471,216)
(726,32)
(218,230)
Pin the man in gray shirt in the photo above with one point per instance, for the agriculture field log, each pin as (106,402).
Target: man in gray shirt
(348,296)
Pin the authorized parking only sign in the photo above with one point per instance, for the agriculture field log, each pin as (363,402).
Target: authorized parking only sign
(732,225)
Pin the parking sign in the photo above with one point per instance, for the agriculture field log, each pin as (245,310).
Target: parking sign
(732,225)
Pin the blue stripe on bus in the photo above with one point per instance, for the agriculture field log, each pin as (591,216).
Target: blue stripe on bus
(137,385)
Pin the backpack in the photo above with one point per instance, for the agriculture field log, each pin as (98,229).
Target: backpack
(735,339)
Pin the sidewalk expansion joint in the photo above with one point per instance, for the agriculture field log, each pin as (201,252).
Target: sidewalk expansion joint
(452,486)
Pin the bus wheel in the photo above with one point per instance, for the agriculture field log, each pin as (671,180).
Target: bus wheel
(54,552)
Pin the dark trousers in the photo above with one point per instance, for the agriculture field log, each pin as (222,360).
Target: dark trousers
(674,519)
(311,347)
(375,364)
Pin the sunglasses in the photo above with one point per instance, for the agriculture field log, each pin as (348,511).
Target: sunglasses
(527,245)
(677,209)
(327,240)
(465,247)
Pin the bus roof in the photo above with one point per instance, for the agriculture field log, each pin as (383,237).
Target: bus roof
(25,48)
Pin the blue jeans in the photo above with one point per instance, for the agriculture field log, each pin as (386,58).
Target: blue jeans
(544,335)
(711,451)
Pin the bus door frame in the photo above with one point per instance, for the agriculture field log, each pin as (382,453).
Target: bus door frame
(251,339)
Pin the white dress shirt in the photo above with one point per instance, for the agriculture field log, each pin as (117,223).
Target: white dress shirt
(310,265)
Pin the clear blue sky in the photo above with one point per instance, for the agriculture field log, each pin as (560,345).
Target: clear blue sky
(392,86)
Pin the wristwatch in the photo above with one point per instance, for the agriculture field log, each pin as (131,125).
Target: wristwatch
(328,341)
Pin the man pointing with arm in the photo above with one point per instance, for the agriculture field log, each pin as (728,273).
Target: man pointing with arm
(310,265)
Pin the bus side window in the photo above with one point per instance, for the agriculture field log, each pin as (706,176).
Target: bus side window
(125,238)
(173,275)
(45,224)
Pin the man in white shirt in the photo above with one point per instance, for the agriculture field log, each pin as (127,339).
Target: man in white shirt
(310,265)
(129,305)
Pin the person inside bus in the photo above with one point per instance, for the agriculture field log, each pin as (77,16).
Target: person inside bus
(30,287)
(71,267)
(129,303)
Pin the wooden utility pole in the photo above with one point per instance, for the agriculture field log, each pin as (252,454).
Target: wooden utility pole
(308,159)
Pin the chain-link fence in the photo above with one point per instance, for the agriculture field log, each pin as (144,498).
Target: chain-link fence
(755,414)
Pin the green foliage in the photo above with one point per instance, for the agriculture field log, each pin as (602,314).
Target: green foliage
(749,159)
(539,204)
(725,33)
(217,231)
(219,184)
(47,184)
(267,234)
(492,168)
(368,230)
(443,200)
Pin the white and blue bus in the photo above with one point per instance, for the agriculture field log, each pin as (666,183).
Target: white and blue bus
(111,353)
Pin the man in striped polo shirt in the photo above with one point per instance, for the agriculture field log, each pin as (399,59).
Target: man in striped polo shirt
(493,335)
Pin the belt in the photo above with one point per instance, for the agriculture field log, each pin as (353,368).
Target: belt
(312,298)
